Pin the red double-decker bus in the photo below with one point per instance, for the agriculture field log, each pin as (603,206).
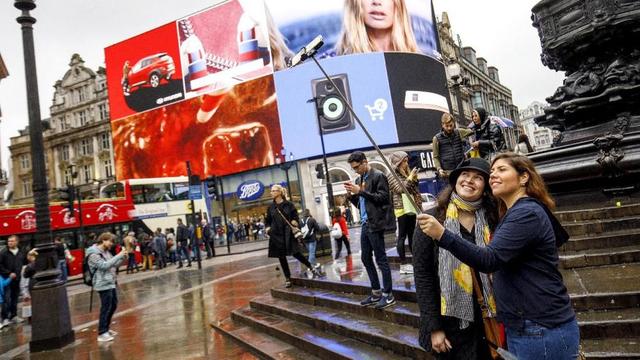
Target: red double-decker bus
(93,216)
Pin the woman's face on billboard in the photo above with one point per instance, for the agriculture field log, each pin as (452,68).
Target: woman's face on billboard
(378,14)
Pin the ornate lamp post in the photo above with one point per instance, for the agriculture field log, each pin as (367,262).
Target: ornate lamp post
(51,323)
(455,74)
(286,165)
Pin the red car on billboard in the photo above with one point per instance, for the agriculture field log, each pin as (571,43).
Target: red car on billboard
(148,71)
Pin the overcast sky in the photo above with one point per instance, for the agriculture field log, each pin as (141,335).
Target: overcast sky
(499,30)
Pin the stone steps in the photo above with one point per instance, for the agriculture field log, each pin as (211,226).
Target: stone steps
(323,344)
(618,349)
(400,339)
(593,227)
(600,257)
(611,301)
(261,344)
(608,240)
(598,324)
(598,214)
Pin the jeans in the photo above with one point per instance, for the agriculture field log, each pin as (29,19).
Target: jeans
(339,242)
(183,250)
(172,256)
(108,305)
(62,264)
(131,263)
(535,341)
(284,264)
(406,226)
(10,304)
(311,247)
(372,244)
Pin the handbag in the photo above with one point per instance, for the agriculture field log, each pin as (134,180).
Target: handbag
(296,232)
(493,330)
(336,231)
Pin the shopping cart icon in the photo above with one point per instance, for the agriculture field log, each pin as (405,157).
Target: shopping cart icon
(378,109)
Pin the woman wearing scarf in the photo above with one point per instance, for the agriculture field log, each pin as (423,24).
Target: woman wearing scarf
(450,318)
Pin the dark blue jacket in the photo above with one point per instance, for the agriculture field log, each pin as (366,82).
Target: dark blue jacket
(523,257)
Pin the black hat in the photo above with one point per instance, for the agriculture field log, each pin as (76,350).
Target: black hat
(478,164)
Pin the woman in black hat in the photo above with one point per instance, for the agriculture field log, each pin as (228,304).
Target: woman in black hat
(450,317)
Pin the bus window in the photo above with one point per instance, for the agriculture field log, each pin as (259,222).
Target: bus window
(137,192)
(157,193)
(115,190)
(181,191)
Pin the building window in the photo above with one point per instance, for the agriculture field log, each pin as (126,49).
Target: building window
(82,93)
(64,152)
(86,147)
(25,162)
(104,141)
(87,173)
(81,117)
(26,188)
(103,113)
(67,176)
(108,168)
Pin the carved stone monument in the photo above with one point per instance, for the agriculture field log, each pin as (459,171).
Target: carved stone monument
(597,108)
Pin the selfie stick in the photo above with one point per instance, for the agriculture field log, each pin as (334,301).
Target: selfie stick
(310,51)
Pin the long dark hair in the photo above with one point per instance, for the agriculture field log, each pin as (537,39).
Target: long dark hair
(535,188)
(525,139)
(488,203)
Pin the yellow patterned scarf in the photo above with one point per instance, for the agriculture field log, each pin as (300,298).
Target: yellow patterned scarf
(456,285)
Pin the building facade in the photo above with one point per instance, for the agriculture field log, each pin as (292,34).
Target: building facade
(77,139)
(478,84)
(539,137)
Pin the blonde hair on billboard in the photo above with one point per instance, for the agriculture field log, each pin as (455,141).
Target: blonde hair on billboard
(355,39)
(279,50)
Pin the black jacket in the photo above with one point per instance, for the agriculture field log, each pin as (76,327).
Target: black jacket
(489,135)
(314,229)
(281,239)
(182,233)
(10,263)
(377,202)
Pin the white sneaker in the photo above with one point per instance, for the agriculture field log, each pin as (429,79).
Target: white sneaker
(113,333)
(105,337)
(406,269)
(4,323)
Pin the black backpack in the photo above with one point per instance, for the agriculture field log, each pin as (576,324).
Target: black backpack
(87,274)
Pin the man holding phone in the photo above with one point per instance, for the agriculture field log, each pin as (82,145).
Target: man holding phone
(103,267)
(370,194)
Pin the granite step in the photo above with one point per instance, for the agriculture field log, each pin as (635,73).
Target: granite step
(402,292)
(610,324)
(600,226)
(400,339)
(261,344)
(597,214)
(403,313)
(323,344)
(610,239)
(599,257)
(618,349)
(609,301)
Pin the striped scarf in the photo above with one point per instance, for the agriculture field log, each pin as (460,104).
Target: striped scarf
(456,286)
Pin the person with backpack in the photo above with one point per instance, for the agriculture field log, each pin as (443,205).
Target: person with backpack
(102,266)
(488,136)
(309,230)
(340,232)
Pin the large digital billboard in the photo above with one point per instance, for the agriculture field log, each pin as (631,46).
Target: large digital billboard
(214,88)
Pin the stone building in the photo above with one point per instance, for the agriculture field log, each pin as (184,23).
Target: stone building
(77,137)
(539,137)
(478,84)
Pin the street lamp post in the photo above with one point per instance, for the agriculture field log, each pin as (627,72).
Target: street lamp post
(286,165)
(51,322)
(455,75)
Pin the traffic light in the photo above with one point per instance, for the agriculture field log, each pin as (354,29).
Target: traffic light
(212,186)
(68,194)
(319,171)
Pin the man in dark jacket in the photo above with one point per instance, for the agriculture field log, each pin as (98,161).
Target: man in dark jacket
(310,238)
(488,136)
(449,146)
(11,261)
(370,194)
(182,237)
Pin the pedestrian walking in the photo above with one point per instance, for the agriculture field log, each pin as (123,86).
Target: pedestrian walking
(339,221)
(309,230)
(523,146)
(531,299)
(281,221)
(370,194)
(182,236)
(160,249)
(451,319)
(103,267)
(12,259)
(146,248)
(171,245)
(403,209)
(130,247)
(449,147)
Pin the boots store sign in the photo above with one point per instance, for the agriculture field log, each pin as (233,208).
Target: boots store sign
(250,190)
